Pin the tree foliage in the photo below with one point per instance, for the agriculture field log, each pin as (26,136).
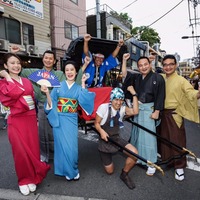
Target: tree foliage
(122,17)
(144,33)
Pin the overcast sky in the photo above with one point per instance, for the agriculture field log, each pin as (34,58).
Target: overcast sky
(170,28)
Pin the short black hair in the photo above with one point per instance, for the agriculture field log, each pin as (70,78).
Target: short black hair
(76,66)
(169,56)
(143,57)
(51,52)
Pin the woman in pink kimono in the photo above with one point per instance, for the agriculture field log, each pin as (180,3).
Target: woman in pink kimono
(17,93)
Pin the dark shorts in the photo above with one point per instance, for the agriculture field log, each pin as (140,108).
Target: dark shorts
(109,147)
(106,157)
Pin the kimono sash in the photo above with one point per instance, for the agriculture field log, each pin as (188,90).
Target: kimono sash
(30,102)
(67,105)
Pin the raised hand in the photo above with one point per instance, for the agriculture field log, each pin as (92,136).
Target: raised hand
(87,37)
(126,56)
(131,89)
(87,60)
(14,49)
(121,42)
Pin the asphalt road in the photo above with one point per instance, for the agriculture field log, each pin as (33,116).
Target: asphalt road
(95,184)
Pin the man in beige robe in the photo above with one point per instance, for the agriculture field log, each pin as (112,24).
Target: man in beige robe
(180,102)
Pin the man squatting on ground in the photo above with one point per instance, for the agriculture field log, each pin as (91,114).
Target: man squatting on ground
(109,123)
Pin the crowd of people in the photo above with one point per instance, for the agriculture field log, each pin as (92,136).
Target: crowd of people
(159,102)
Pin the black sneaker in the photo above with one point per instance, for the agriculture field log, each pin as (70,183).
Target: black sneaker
(127,180)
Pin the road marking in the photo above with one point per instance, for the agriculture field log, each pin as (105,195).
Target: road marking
(91,136)
(192,164)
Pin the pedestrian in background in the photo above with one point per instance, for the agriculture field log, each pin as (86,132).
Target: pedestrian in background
(17,94)
(180,102)
(5,111)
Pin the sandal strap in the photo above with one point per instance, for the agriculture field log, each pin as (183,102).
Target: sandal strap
(179,174)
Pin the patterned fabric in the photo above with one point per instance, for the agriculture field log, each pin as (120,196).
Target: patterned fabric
(44,77)
(117,93)
(67,105)
(29,101)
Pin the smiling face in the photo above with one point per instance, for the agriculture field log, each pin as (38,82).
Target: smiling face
(169,66)
(144,66)
(117,103)
(70,72)
(48,61)
(13,65)
(98,59)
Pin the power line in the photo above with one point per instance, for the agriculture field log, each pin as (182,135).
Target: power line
(166,13)
(128,5)
(159,18)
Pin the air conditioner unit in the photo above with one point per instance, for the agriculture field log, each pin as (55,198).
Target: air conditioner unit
(32,50)
(4,45)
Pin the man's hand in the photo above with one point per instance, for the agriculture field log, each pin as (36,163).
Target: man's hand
(14,49)
(152,58)
(87,37)
(131,89)
(126,56)
(121,42)
(104,136)
(155,114)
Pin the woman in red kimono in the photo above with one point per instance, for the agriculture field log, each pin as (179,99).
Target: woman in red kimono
(17,93)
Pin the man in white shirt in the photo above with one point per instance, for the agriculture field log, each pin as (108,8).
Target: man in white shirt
(109,123)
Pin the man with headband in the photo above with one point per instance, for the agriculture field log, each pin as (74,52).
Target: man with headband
(99,65)
(109,124)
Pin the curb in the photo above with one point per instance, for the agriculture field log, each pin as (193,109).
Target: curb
(7,194)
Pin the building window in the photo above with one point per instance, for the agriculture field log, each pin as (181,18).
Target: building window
(134,48)
(141,52)
(74,1)
(71,31)
(10,30)
(28,34)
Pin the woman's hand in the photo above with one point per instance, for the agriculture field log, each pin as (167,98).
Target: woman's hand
(87,60)
(4,74)
(44,89)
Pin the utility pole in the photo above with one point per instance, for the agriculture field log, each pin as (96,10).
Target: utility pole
(98,19)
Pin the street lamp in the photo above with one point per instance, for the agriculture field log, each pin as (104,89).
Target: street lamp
(186,37)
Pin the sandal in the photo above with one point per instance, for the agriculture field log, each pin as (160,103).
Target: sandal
(179,176)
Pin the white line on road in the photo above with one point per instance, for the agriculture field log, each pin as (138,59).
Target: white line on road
(193,164)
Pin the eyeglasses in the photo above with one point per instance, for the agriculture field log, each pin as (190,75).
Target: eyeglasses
(170,64)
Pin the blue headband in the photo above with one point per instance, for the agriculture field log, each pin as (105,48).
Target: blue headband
(117,93)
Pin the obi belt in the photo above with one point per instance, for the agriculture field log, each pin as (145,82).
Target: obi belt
(67,105)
